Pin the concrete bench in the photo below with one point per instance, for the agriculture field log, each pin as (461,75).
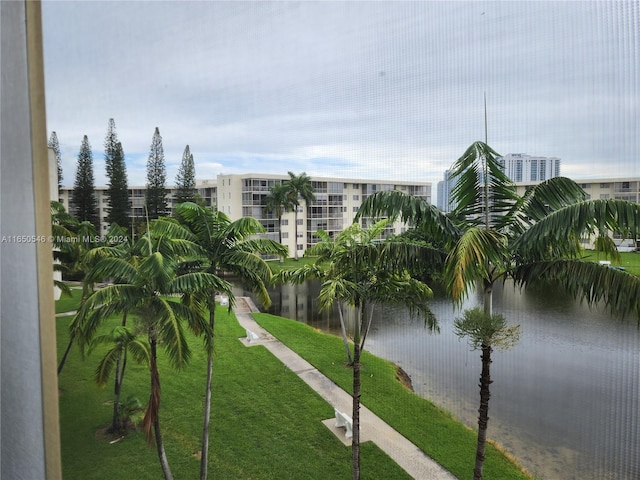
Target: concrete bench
(344,420)
(252,336)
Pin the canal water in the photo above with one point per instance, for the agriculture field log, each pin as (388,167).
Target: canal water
(565,400)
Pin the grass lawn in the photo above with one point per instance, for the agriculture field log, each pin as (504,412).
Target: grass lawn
(69,303)
(447,441)
(630,261)
(290,263)
(266,422)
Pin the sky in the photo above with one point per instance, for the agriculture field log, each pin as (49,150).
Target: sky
(361,90)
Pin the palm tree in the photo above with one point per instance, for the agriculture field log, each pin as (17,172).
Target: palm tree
(228,247)
(278,201)
(362,272)
(123,342)
(87,253)
(494,234)
(485,332)
(299,187)
(161,299)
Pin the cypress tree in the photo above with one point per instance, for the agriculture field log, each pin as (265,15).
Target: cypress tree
(117,189)
(156,200)
(186,178)
(84,202)
(53,144)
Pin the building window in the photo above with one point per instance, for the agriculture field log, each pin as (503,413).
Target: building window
(604,196)
(604,185)
(299,247)
(285,235)
(300,221)
(356,197)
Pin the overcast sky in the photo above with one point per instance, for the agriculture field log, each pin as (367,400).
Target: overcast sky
(371,90)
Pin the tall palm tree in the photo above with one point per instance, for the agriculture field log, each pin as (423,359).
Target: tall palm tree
(228,247)
(299,187)
(362,272)
(494,234)
(161,299)
(278,201)
(485,332)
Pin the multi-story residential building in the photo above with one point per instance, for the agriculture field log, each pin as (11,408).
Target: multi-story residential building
(337,202)
(521,167)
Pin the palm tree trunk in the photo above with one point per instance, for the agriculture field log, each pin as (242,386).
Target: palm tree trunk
(345,340)
(204,451)
(483,411)
(65,355)
(280,233)
(487,297)
(355,414)
(152,417)
(115,422)
(366,330)
(295,233)
(355,440)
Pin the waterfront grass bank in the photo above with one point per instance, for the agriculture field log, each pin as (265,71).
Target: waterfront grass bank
(432,429)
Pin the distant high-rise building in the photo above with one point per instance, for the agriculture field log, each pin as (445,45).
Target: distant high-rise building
(444,192)
(521,167)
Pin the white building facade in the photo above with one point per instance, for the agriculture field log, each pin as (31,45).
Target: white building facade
(521,167)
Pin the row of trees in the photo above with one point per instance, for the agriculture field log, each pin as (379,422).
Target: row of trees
(164,282)
(84,200)
(286,196)
(492,235)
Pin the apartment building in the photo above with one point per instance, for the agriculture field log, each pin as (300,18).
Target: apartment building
(521,167)
(337,202)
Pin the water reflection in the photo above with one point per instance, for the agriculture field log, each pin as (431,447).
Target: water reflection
(565,400)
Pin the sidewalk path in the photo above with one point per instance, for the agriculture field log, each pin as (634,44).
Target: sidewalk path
(372,428)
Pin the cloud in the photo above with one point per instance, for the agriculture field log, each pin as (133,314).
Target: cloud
(379,90)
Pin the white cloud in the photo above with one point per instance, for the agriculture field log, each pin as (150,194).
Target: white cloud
(377,90)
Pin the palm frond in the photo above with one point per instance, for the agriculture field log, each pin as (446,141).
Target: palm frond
(475,257)
(103,370)
(299,275)
(170,332)
(483,194)
(198,281)
(408,208)
(578,219)
(115,268)
(619,291)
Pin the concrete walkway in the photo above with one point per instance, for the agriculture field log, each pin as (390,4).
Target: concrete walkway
(372,428)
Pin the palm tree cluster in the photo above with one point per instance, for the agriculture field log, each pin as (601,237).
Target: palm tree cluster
(358,270)
(167,283)
(286,196)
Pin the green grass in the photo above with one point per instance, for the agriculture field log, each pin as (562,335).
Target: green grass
(433,430)
(69,303)
(266,422)
(290,263)
(630,261)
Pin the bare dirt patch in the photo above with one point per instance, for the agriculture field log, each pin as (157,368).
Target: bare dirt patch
(404,378)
